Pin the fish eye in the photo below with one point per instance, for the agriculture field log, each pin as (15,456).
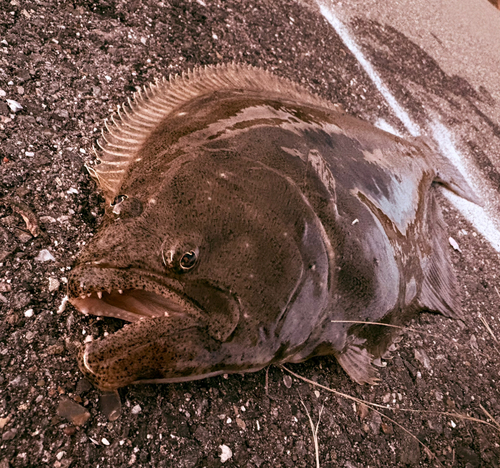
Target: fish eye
(188,260)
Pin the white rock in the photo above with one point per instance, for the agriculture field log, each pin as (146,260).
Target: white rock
(29,313)
(62,307)
(14,105)
(53,284)
(47,219)
(2,93)
(105,441)
(44,256)
(454,244)
(136,409)
(226,453)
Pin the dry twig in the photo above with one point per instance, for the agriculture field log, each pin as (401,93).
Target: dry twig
(314,429)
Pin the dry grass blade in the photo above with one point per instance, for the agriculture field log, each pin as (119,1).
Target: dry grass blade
(314,430)
(406,410)
(390,325)
(487,326)
(497,424)
(490,331)
(374,407)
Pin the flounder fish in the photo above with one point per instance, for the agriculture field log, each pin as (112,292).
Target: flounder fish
(250,222)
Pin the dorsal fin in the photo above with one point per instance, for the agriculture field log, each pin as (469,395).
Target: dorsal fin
(136,120)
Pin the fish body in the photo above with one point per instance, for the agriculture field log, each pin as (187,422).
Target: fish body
(249,222)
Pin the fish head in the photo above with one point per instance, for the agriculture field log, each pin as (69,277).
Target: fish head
(202,265)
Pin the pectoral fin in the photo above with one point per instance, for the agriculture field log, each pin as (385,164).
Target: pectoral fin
(439,288)
(357,362)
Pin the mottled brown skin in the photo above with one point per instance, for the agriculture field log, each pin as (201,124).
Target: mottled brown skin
(299,215)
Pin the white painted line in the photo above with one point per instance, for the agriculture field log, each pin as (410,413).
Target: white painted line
(343,32)
(477,216)
(443,138)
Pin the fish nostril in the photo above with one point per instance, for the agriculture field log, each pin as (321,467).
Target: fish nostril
(118,199)
(168,257)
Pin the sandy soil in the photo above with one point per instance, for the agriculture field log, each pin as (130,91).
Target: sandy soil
(68,64)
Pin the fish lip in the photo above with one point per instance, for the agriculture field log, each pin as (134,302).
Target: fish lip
(91,295)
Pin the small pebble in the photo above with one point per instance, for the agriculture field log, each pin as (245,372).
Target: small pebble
(73,412)
(4,421)
(226,453)
(5,287)
(70,430)
(53,284)
(14,105)
(362,410)
(287,380)
(29,313)
(9,435)
(110,405)
(44,256)
(454,244)
(241,424)
(83,386)
(105,441)
(386,428)
(136,409)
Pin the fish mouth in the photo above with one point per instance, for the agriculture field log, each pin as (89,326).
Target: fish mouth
(176,327)
(129,295)
(130,304)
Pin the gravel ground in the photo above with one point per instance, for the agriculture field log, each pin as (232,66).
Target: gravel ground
(68,64)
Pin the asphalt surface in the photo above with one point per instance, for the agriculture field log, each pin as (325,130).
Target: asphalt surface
(427,68)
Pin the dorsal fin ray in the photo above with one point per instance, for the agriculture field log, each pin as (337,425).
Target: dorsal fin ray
(139,117)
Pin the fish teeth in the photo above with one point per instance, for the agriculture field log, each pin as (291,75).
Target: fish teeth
(109,290)
(89,294)
(120,291)
(99,294)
